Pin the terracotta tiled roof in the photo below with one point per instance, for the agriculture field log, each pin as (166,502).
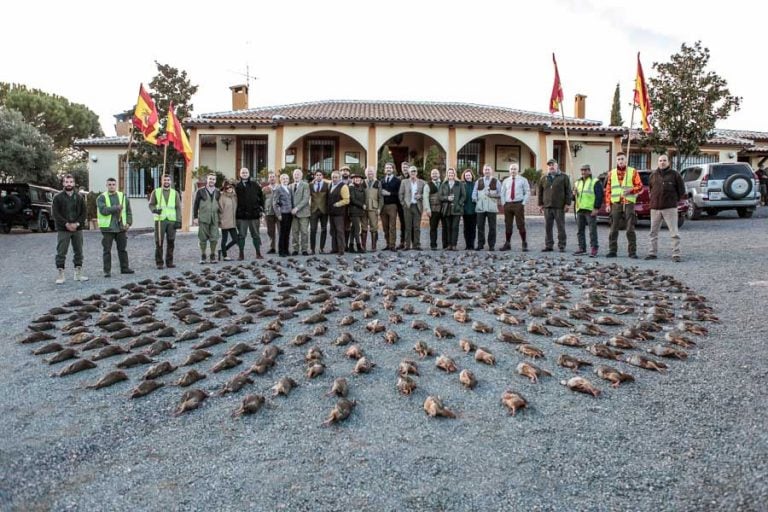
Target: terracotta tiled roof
(743,134)
(393,112)
(756,149)
(717,139)
(102,141)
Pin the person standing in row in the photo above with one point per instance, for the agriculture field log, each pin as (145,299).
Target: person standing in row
(452,198)
(338,201)
(282,202)
(356,211)
(414,197)
(404,176)
(273,226)
(374,201)
(622,185)
(113,211)
(227,219)
(554,191)
(68,210)
(515,191)
(250,206)
(588,194)
(390,190)
(470,215)
(666,189)
(345,172)
(486,196)
(165,205)
(205,215)
(300,212)
(318,212)
(434,206)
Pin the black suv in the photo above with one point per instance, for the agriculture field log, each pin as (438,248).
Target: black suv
(28,206)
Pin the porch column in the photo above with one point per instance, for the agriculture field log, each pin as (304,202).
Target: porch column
(543,156)
(373,154)
(452,155)
(279,149)
(189,182)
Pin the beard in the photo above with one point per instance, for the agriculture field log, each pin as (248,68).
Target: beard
(69,188)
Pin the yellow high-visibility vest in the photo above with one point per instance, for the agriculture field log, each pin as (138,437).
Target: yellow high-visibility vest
(168,210)
(106,220)
(617,189)
(585,194)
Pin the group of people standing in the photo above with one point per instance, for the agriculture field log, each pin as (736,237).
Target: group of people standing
(351,206)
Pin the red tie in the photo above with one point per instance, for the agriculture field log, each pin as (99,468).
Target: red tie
(512,192)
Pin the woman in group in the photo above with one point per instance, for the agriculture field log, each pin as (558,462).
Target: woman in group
(227,207)
(470,216)
(282,202)
(452,198)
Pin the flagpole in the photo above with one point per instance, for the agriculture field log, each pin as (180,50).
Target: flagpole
(567,139)
(629,136)
(165,156)
(127,157)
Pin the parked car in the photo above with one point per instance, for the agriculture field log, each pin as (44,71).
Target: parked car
(713,188)
(643,203)
(25,205)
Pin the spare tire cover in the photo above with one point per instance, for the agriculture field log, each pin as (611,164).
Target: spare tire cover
(737,186)
(10,205)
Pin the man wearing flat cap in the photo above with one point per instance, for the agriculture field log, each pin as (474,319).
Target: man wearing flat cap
(356,211)
(554,192)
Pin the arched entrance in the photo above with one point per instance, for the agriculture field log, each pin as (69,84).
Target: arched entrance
(413,148)
(497,149)
(326,151)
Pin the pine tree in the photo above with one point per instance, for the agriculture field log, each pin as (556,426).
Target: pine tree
(616,119)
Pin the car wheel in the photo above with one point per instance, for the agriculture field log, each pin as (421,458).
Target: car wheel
(42,223)
(744,213)
(712,213)
(10,205)
(737,186)
(680,220)
(6,228)
(694,212)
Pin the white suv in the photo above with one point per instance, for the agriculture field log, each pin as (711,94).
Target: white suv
(715,187)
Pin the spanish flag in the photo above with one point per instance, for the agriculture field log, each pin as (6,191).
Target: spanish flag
(175,134)
(641,98)
(557,91)
(145,117)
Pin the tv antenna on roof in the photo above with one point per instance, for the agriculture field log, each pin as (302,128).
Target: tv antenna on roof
(247,75)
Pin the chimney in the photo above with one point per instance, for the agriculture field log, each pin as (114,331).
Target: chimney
(123,128)
(239,97)
(580,106)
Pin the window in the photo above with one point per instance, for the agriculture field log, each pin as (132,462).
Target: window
(254,155)
(141,182)
(469,157)
(704,158)
(322,155)
(691,174)
(639,160)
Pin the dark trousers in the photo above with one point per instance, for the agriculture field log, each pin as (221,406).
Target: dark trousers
(318,217)
(434,222)
(403,227)
(621,214)
(225,235)
(584,218)
(243,227)
(451,230)
(554,216)
(121,240)
(272,228)
(337,233)
(470,229)
(389,215)
(514,215)
(165,231)
(482,217)
(413,227)
(354,234)
(286,219)
(63,240)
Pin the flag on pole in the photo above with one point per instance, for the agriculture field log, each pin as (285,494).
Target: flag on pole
(557,91)
(641,98)
(175,134)
(145,117)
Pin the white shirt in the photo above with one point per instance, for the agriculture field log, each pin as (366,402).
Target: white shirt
(522,190)
(414,191)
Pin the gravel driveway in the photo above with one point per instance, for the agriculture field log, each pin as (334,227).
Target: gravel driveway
(694,438)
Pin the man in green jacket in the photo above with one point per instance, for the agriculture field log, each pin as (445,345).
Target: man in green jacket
(205,215)
(113,211)
(554,192)
(69,216)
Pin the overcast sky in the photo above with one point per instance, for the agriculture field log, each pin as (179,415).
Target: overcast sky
(486,52)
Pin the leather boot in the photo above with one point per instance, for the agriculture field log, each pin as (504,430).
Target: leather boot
(241,254)
(374,239)
(364,239)
(523,239)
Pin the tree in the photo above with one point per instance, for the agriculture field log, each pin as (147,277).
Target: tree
(616,119)
(385,157)
(687,101)
(53,115)
(26,154)
(75,162)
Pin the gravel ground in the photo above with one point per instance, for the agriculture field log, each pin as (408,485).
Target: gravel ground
(691,439)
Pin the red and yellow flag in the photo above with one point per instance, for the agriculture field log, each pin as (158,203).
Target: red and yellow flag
(175,134)
(641,98)
(557,91)
(145,117)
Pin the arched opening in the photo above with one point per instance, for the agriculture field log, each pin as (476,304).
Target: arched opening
(499,151)
(326,151)
(412,148)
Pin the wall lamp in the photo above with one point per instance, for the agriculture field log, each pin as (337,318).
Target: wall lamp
(226,141)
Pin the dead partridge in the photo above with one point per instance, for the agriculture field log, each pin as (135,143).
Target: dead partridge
(600,350)
(190,378)
(467,379)
(236,383)
(532,371)
(145,388)
(692,328)
(510,337)
(663,351)
(621,342)
(395,318)
(300,339)
(481,327)
(347,320)
(461,316)
(340,412)
(536,328)
(283,386)
(391,337)
(513,401)
(581,385)
(482,355)
(251,404)
(569,340)
(190,400)
(363,365)
(446,364)
(574,364)
(433,406)
(314,354)
(342,339)
(530,351)
(109,379)
(677,338)
(557,321)
(645,362)
(78,366)
(419,325)
(423,349)
(407,367)
(612,375)
(339,388)
(442,332)
(607,320)
(159,370)
(467,346)
(508,319)
(226,363)
(375,326)
(354,352)
(315,370)
(405,384)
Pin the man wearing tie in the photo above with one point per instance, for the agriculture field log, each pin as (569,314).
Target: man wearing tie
(434,205)
(374,200)
(515,191)
(300,212)
(414,196)
(318,211)
(390,188)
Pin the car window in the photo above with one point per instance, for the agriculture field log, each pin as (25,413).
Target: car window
(723,171)
(34,196)
(692,174)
